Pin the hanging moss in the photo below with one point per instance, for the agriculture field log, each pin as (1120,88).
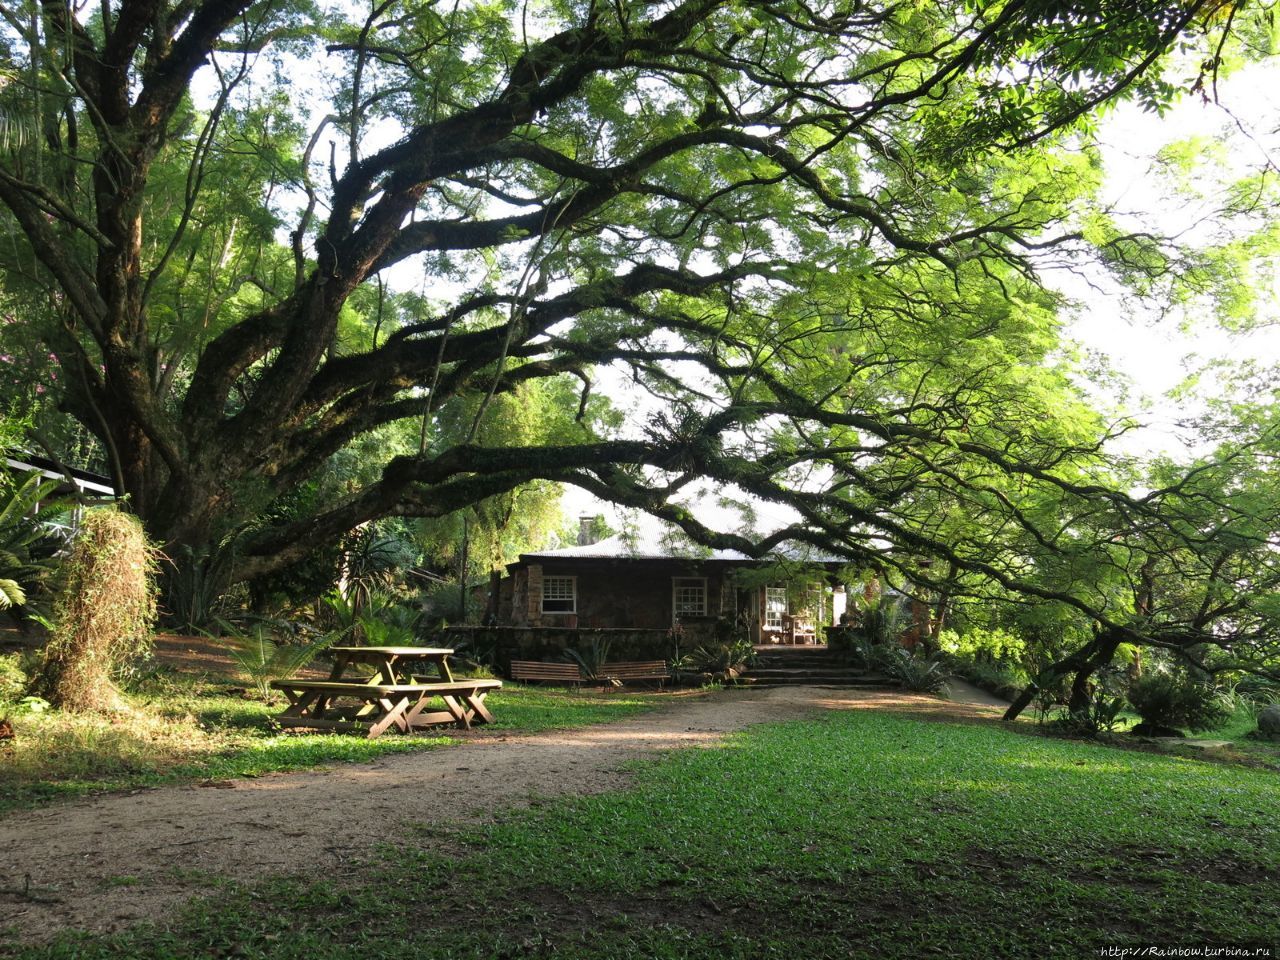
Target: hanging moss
(103,613)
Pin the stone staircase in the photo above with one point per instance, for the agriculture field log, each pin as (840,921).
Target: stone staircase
(778,665)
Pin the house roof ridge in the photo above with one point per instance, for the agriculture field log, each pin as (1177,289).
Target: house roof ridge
(621,547)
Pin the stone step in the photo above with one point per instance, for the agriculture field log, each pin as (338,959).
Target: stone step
(824,665)
(799,650)
(839,678)
(885,684)
(802,661)
(831,671)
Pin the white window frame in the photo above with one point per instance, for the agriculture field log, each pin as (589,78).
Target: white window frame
(770,593)
(728,598)
(572,597)
(679,583)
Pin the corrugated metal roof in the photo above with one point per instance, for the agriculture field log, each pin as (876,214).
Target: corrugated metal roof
(625,548)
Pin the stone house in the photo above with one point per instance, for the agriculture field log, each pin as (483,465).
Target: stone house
(672,588)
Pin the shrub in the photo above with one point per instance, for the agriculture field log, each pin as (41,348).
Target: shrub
(1101,714)
(196,586)
(922,674)
(103,613)
(882,619)
(719,657)
(997,678)
(444,604)
(1168,701)
(13,678)
(592,657)
(1258,689)
(840,638)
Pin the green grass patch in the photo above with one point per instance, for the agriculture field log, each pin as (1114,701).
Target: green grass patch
(859,835)
(183,730)
(531,709)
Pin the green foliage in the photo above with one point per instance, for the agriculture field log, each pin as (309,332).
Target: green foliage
(995,643)
(1169,700)
(382,630)
(292,588)
(373,618)
(262,658)
(880,619)
(25,543)
(997,678)
(13,678)
(1099,716)
(196,586)
(734,653)
(1257,689)
(374,559)
(443,604)
(912,670)
(590,658)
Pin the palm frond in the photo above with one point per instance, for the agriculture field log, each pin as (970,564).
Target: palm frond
(11,594)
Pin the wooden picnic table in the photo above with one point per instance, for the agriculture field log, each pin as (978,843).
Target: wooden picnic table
(391,697)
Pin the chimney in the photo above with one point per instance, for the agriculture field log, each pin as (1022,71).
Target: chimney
(586,530)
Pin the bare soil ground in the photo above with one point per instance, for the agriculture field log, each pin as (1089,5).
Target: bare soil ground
(111,861)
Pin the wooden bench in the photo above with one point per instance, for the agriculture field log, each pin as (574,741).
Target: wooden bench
(537,670)
(380,706)
(655,670)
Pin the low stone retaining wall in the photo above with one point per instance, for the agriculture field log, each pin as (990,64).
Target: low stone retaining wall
(501,645)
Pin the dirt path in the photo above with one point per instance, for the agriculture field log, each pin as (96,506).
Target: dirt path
(106,863)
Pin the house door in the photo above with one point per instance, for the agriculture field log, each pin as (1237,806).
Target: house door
(775,613)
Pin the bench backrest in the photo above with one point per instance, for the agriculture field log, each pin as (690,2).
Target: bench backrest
(635,669)
(537,670)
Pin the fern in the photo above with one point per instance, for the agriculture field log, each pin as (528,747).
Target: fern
(262,660)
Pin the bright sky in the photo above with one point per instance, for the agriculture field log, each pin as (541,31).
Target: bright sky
(1158,353)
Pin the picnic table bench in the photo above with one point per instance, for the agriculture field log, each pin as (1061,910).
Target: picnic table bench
(391,697)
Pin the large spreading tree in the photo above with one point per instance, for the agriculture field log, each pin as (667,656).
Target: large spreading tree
(250,235)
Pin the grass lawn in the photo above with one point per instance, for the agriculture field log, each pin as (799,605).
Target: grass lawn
(191,729)
(859,834)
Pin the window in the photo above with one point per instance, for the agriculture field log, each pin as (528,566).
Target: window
(559,594)
(728,599)
(775,606)
(688,597)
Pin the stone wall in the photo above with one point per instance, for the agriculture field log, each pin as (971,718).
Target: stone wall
(500,645)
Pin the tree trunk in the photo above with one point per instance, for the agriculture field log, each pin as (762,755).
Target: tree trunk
(1081,693)
(1084,663)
